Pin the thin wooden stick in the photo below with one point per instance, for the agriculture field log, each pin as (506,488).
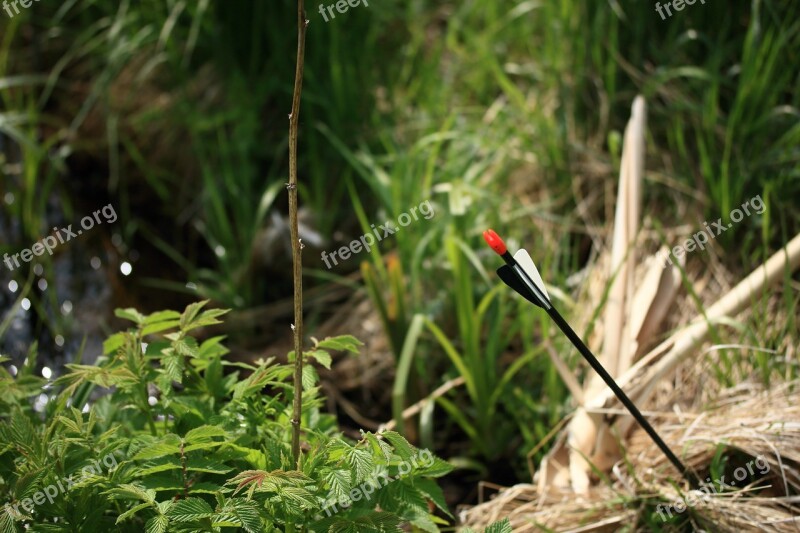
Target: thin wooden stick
(297,259)
(417,407)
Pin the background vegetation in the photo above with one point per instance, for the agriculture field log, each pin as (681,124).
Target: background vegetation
(503,114)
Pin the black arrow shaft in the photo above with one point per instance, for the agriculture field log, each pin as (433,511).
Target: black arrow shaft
(595,364)
(619,393)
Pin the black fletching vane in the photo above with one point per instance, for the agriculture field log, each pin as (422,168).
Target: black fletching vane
(510,278)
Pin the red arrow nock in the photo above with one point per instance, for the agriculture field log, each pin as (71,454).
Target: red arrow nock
(494,240)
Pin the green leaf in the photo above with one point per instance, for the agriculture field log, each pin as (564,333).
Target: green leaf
(192,319)
(157,524)
(158,327)
(379,446)
(185,346)
(7,523)
(130,314)
(207,318)
(437,468)
(322,357)
(309,377)
(205,487)
(212,347)
(132,511)
(169,444)
(297,497)
(161,316)
(129,491)
(400,495)
(114,342)
(424,522)
(368,522)
(171,370)
(190,510)
(162,483)
(202,438)
(361,462)
(340,343)
(166,464)
(204,434)
(208,465)
(28,483)
(190,313)
(339,482)
(401,445)
(247,513)
(434,493)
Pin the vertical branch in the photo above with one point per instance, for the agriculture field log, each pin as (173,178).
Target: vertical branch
(294,121)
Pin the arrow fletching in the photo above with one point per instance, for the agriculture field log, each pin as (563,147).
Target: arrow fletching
(510,278)
(524,260)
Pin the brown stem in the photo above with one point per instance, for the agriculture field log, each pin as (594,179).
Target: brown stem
(294,119)
(184,474)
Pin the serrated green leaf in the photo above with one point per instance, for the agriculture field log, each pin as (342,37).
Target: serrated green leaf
(361,462)
(338,482)
(190,313)
(190,510)
(204,434)
(205,487)
(7,523)
(28,483)
(23,434)
(204,464)
(368,522)
(309,377)
(130,314)
(157,524)
(161,316)
(164,464)
(186,346)
(379,446)
(425,523)
(114,343)
(400,495)
(168,445)
(247,512)
(172,367)
(192,319)
(340,343)
(211,348)
(433,492)
(400,444)
(298,496)
(160,482)
(322,357)
(158,327)
(132,511)
(129,491)
(437,468)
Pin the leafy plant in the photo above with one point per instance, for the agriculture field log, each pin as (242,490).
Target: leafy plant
(203,444)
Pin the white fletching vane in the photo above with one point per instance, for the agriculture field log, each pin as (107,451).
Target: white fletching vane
(524,260)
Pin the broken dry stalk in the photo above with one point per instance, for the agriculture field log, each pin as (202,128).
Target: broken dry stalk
(297,260)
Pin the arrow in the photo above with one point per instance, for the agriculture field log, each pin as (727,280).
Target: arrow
(520,274)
